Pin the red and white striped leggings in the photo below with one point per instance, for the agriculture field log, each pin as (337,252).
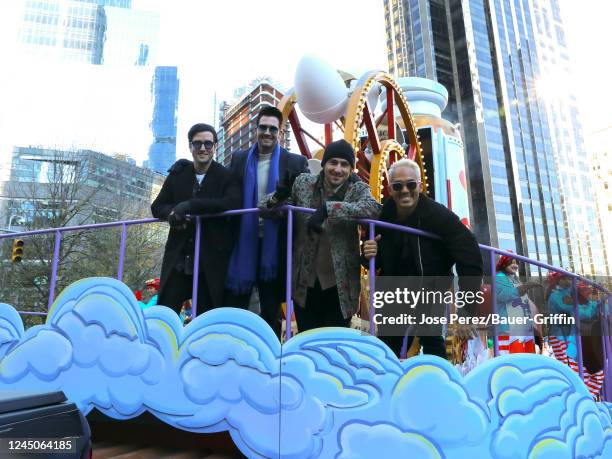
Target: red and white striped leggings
(593,381)
(516,344)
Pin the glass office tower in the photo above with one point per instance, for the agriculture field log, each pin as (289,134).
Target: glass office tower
(164,91)
(71,30)
(131,37)
(94,32)
(525,159)
(109,33)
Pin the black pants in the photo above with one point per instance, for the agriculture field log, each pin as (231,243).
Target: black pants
(269,299)
(322,309)
(432,345)
(178,288)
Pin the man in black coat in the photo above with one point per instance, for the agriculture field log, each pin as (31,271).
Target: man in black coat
(259,257)
(404,254)
(199,187)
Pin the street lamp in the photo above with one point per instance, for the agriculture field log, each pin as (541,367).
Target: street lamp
(18,218)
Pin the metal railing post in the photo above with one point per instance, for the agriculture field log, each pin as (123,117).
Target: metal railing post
(122,251)
(577,334)
(54,263)
(494,302)
(604,347)
(404,348)
(607,348)
(196,269)
(288,301)
(372,281)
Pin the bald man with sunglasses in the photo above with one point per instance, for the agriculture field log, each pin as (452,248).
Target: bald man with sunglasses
(403,254)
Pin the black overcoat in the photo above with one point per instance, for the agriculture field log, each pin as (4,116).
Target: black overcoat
(219,192)
(432,257)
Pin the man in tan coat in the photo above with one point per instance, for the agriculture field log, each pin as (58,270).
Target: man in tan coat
(326,257)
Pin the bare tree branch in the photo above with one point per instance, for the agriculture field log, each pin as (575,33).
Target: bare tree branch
(68,194)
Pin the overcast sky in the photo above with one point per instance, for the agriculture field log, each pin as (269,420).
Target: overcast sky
(589,34)
(221,45)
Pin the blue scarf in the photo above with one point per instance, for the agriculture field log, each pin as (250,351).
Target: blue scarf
(242,273)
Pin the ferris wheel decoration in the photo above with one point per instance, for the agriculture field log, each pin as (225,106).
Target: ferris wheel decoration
(346,107)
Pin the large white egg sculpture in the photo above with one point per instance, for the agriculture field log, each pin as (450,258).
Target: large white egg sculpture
(321,93)
(372,96)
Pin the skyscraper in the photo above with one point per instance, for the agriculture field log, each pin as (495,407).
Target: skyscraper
(601,163)
(32,185)
(131,37)
(527,170)
(68,30)
(89,31)
(109,33)
(164,91)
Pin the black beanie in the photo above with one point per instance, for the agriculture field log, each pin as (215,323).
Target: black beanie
(339,149)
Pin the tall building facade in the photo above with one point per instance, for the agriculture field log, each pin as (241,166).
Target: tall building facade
(40,181)
(69,30)
(600,143)
(238,119)
(131,37)
(109,33)
(88,31)
(528,175)
(164,91)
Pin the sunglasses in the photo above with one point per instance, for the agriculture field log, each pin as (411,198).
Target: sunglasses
(399,186)
(197,144)
(265,128)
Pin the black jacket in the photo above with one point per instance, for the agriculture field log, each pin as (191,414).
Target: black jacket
(219,192)
(294,163)
(431,257)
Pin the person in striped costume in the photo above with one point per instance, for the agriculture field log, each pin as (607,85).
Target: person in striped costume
(562,338)
(512,301)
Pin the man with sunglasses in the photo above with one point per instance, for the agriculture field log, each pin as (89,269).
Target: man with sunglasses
(259,257)
(194,188)
(422,260)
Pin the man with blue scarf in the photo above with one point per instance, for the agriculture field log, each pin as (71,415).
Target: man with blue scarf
(258,258)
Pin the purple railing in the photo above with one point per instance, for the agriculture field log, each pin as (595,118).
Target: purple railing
(56,248)
(371,224)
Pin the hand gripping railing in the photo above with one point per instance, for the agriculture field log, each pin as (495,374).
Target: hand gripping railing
(372,224)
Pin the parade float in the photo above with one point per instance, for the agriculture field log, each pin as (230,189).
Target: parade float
(328,393)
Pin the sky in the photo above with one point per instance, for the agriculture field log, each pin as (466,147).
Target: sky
(219,46)
(222,45)
(589,34)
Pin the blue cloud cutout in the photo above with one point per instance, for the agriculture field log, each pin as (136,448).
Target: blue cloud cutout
(326,393)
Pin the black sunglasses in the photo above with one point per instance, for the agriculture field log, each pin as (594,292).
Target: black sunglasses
(399,186)
(197,144)
(265,128)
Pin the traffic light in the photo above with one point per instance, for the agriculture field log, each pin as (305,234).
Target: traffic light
(17,250)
